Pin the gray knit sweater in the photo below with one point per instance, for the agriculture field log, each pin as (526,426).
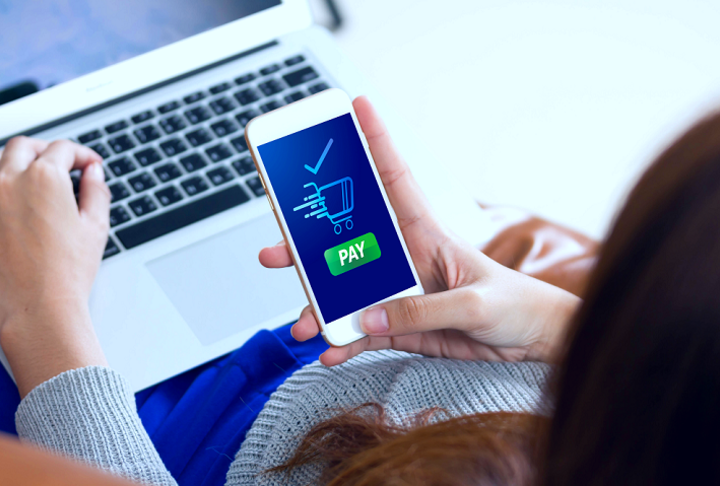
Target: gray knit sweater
(90,413)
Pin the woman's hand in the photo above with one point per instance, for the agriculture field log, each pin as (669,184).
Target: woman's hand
(474,308)
(50,252)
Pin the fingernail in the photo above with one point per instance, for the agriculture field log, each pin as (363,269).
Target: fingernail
(96,171)
(374,321)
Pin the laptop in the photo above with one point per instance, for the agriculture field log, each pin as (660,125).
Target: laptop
(162,90)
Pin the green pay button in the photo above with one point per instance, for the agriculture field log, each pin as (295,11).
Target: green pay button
(352,254)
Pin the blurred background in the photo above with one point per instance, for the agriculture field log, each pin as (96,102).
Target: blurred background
(569,100)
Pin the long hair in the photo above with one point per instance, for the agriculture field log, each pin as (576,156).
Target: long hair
(637,397)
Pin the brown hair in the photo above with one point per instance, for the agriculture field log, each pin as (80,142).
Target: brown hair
(638,395)
(361,447)
(637,398)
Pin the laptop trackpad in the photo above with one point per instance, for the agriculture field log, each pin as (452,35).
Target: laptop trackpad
(220,288)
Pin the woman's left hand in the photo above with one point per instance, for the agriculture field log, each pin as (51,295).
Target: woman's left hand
(474,307)
(50,251)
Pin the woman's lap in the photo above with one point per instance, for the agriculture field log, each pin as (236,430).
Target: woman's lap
(198,420)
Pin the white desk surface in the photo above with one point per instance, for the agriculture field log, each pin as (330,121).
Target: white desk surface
(555,106)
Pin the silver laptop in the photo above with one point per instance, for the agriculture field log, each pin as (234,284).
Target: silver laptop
(162,89)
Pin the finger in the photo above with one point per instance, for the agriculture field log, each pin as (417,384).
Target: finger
(452,309)
(306,327)
(337,355)
(277,256)
(94,198)
(406,197)
(20,152)
(67,155)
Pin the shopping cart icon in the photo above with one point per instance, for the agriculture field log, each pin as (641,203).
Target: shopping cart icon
(334,201)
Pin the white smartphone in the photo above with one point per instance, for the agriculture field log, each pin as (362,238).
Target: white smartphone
(323,186)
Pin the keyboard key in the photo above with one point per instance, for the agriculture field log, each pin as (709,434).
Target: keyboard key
(142,206)
(271,87)
(247,96)
(256,186)
(223,127)
(222,105)
(141,117)
(121,166)
(273,68)
(118,191)
(172,124)
(245,79)
(89,136)
(168,107)
(300,76)
(121,144)
(240,144)
(142,182)
(244,166)
(221,175)
(218,152)
(193,162)
(294,60)
(220,88)
(147,134)
(111,249)
(318,87)
(194,98)
(116,127)
(297,95)
(270,106)
(107,174)
(148,156)
(173,146)
(118,215)
(245,117)
(101,150)
(197,115)
(194,185)
(169,195)
(162,224)
(167,172)
(198,137)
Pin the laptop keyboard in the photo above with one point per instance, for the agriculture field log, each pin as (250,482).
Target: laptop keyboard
(160,162)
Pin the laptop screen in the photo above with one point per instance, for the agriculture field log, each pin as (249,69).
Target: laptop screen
(47,42)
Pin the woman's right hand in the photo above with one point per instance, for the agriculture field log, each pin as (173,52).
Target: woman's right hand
(50,251)
(474,308)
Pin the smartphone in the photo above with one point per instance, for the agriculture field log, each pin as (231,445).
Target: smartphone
(323,186)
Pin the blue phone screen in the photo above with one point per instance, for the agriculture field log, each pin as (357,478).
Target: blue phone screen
(337,217)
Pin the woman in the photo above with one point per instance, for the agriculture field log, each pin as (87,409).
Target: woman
(478,310)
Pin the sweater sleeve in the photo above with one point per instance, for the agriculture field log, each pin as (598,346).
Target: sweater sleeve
(89,414)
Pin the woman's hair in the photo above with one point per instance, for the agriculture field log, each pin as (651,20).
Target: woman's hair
(637,397)
(361,447)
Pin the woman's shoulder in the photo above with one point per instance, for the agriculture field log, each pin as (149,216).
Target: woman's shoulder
(403,383)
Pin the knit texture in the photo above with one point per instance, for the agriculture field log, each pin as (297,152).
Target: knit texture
(90,413)
(404,384)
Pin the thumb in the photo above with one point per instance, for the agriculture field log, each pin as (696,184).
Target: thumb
(452,309)
(94,200)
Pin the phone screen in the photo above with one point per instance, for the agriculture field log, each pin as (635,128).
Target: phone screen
(336,214)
